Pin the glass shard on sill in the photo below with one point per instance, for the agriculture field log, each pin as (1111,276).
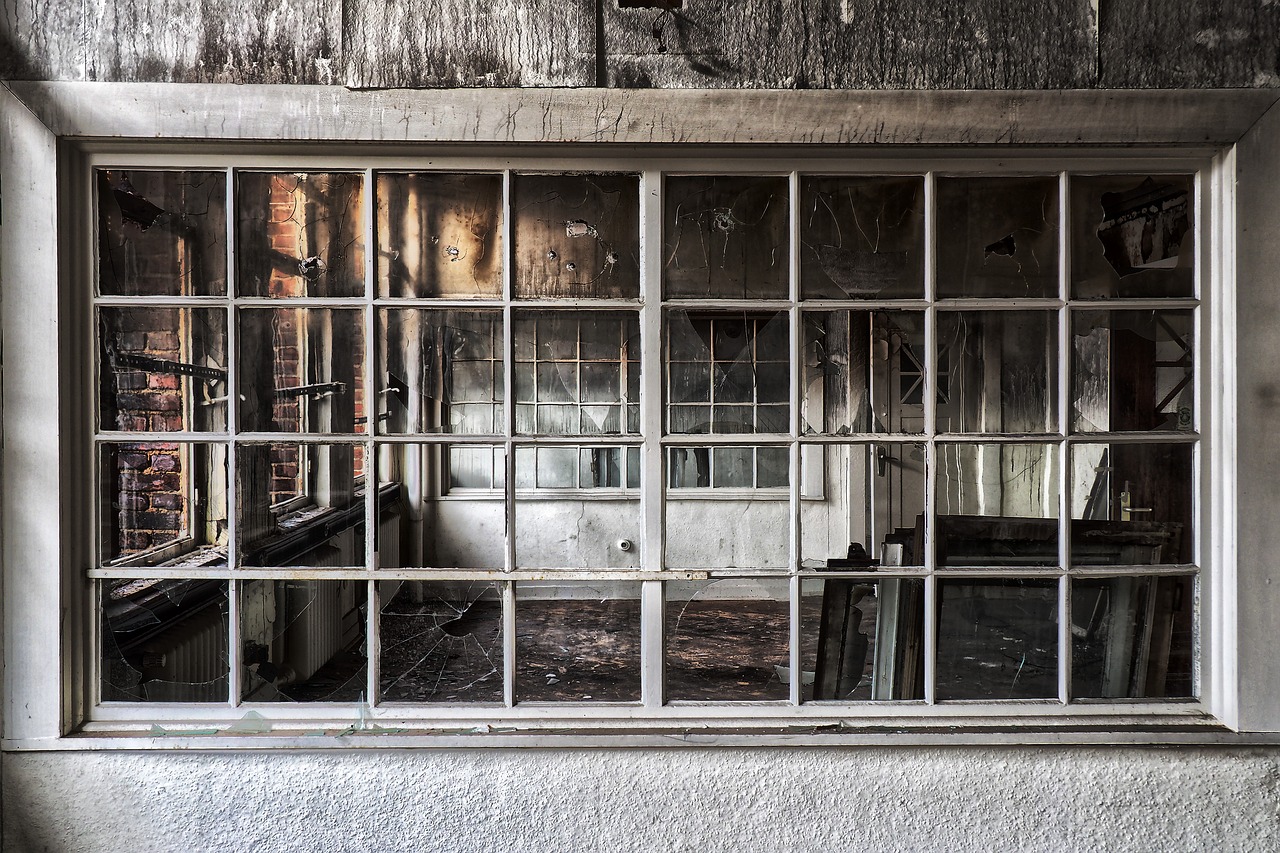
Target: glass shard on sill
(299,234)
(577,642)
(440,642)
(164,640)
(162,233)
(862,237)
(303,641)
(727,640)
(997,237)
(576,236)
(997,639)
(725,237)
(862,639)
(1132,236)
(439,235)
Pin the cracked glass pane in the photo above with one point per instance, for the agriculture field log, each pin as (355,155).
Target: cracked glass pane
(577,372)
(1133,637)
(727,640)
(302,370)
(576,236)
(997,505)
(1132,371)
(577,642)
(725,237)
(303,641)
(1002,371)
(301,505)
(162,233)
(1132,236)
(558,527)
(440,642)
(997,639)
(1131,504)
(441,371)
(864,371)
(299,234)
(164,640)
(997,237)
(862,639)
(861,502)
(162,369)
(862,237)
(443,506)
(439,235)
(163,504)
(727,372)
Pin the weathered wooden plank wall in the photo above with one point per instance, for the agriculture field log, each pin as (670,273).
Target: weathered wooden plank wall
(871,44)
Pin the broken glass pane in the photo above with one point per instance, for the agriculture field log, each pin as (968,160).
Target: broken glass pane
(997,639)
(727,372)
(726,238)
(299,234)
(439,235)
(577,642)
(728,640)
(303,641)
(1002,371)
(750,529)
(997,237)
(997,505)
(861,499)
(163,369)
(1132,370)
(577,372)
(301,505)
(163,504)
(164,640)
(862,639)
(302,370)
(162,233)
(1132,236)
(566,529)
(1131,504)
(441,371)
(862,237)
(864,371)
(441,642)
(577,236)
(1133,637)
(443,506)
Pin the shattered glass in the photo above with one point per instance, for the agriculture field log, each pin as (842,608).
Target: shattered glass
(439,235)
(727,640)
(442,371)
(303,641)
(1131,504)
(862,237)
(862,639)
(1003,371)
(997,639)
(299,234)
(1132,236)
(997,237)
(726,237)
(577,642)
(576,236)
(440,642)
(164,640)
(302,370)
(162,233)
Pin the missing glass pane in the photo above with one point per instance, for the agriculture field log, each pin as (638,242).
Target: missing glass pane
(1002,371)
(746,526)
(1131,504)
(997,639)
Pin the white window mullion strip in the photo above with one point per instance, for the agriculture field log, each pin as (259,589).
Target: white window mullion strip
(930,431)
(233,637)
(1065,347)
(796,353)
(652,507)
(508,374)
(233,414)
(373,643)
(373,636)
(508,643)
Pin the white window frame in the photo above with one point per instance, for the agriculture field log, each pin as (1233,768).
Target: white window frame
(48,538)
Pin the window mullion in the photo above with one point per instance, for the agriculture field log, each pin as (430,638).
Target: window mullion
(794,355)
(1064,447)
(233,398)
(930,431)
(651,409)
(509,455)
(373,608)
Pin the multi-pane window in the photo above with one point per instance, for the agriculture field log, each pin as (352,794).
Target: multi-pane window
(475,443)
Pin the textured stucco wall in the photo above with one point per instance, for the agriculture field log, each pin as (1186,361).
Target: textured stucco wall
(789,799)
